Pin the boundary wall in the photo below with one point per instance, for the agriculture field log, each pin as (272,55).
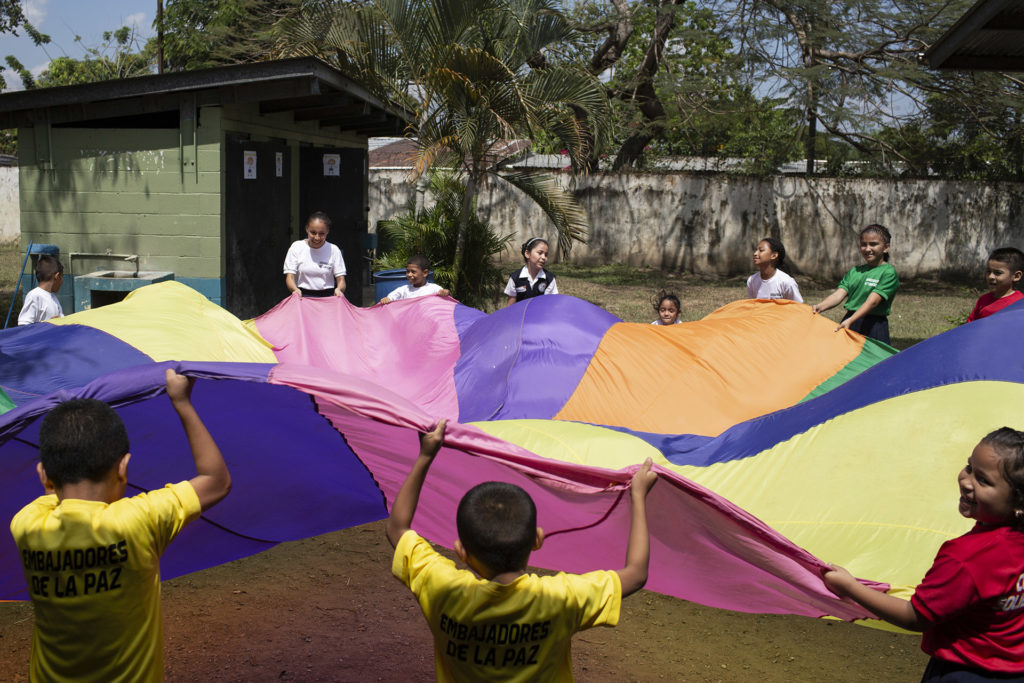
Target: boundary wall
(710,223)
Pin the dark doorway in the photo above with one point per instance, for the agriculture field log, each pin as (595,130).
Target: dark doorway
(257,226)
(344,198)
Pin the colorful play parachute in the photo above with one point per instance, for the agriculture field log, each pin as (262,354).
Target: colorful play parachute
(781,443)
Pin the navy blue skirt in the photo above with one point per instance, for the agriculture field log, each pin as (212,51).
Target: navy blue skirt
(316,292)
(874,326)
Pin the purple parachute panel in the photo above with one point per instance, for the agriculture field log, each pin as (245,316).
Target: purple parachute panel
(525,360)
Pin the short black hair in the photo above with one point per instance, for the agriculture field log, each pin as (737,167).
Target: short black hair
(420,261)
(1011,256)
(1008,443)
(81,439)
(497,525)
(47,268)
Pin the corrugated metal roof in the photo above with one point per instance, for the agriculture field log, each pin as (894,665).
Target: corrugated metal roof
(395,153)
(375,143)
(399,152)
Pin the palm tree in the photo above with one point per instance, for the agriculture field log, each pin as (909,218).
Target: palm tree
(474,74)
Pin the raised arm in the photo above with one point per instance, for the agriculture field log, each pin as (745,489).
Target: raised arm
(874,298)
(638,549)
(212,481)
(890,608)
(831,301)
(404,507)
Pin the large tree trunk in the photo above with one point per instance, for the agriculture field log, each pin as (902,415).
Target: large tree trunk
(650,106)
(640,90)
(812,128)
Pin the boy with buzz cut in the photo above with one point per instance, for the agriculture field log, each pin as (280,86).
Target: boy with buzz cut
(416,272)
(92,556)
(41,303)
(1005,267)
(497,622)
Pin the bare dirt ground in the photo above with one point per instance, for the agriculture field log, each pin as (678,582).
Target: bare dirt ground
(327,609)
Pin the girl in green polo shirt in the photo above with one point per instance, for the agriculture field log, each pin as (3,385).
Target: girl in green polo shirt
(867,289)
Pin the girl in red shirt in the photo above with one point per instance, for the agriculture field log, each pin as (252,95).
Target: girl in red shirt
(970,605)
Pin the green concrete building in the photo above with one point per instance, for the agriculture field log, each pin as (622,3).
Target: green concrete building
(203,176)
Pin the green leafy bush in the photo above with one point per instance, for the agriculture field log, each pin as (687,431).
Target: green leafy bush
(434,233)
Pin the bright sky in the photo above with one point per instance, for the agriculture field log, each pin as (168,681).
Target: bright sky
(62,20)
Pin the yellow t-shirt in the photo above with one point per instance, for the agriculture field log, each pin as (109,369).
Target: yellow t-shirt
(487,631)
(93,572)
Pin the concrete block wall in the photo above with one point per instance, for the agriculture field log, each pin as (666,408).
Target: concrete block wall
(124,191)
(710,223)
(130,202)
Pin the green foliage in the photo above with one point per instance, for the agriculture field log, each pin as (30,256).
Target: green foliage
(434,234)
(119,56)
(473,73)
(204,33)
(27,80)
(971,127)
(11,16)
(757,79)
(9,141)
(764,133)
(850,65)
(703,105)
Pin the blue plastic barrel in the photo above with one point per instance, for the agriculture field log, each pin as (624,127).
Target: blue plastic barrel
(51,249)
(387,281)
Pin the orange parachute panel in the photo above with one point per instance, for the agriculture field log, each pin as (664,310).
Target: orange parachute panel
(706,376)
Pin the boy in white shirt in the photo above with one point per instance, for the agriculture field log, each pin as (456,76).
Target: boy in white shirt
(42,303)
(416,272)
